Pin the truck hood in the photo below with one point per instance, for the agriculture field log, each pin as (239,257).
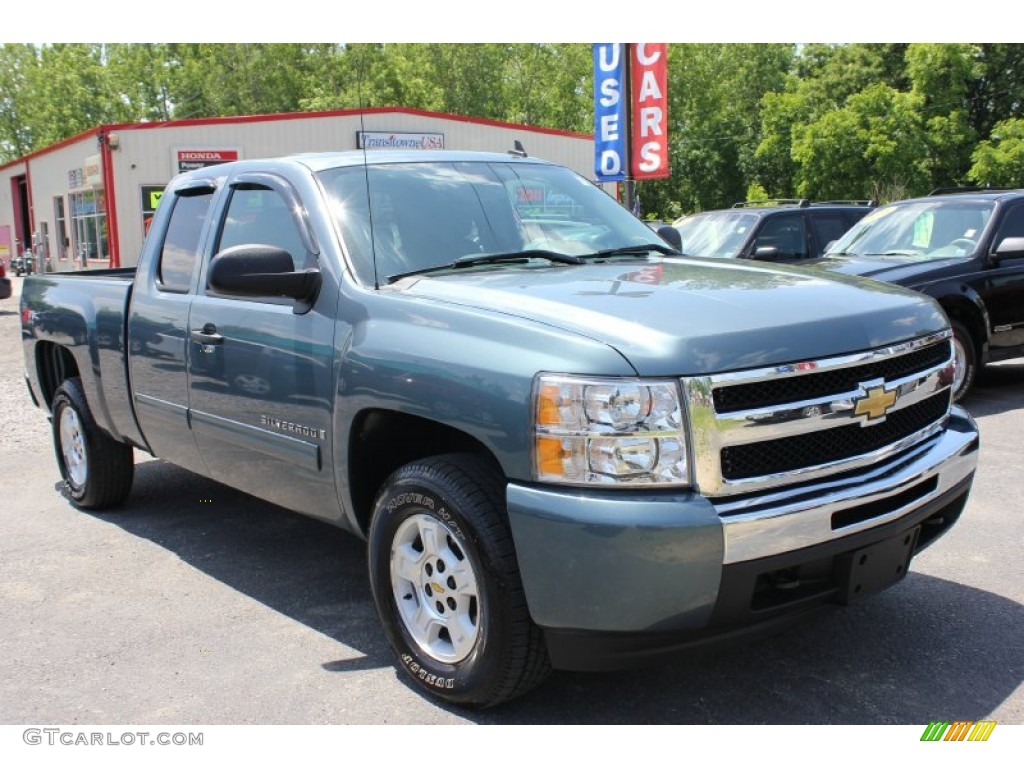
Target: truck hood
(902,270)
(697,316)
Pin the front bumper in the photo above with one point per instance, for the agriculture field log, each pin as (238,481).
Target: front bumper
(617,579)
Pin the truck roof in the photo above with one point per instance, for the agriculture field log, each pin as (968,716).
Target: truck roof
(320,161)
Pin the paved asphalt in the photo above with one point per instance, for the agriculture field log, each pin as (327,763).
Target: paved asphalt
(196,604)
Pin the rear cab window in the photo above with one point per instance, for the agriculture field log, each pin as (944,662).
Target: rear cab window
(179,252)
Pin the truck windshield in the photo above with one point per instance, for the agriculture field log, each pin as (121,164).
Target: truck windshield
(717,235)
(399,218)
(926,229)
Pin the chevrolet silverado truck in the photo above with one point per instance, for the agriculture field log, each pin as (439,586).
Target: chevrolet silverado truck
(565,445)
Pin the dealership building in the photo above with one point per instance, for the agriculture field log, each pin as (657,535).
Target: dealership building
(86,202)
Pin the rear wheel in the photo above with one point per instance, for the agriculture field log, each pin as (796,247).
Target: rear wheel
(446,583)
(97,470)
(965,357)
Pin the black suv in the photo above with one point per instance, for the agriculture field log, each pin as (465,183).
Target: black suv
(773,230)
(965,249)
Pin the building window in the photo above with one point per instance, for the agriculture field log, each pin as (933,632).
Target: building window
(62,229)
(89,225)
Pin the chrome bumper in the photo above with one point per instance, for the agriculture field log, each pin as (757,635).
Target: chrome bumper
(794,518)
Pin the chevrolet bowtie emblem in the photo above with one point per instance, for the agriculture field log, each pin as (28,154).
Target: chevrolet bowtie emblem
(875,404)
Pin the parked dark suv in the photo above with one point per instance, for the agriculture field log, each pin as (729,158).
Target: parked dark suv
(965,249)
(774,230)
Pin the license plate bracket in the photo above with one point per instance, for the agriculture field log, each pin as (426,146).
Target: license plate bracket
(871,569)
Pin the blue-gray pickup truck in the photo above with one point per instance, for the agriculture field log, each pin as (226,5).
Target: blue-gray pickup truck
(565,445)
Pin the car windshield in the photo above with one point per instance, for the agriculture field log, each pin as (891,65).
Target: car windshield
(925,229)
(719,234)
(400,218)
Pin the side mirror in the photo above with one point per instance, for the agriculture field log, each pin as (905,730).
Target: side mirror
(263,270)
(767,253)
(1008,248)
(671,236)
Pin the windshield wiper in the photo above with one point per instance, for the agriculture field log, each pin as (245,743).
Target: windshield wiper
(472,260)
(895,253)
(633,250)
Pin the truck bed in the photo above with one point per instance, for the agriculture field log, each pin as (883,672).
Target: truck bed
(79,320)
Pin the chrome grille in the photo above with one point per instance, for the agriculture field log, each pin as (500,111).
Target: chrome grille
(793,388)
(777,426)
(786,454)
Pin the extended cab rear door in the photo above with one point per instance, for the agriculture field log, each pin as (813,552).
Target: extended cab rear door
(261,367)
(158,326)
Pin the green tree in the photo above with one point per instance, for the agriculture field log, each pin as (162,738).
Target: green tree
(999,160)
(873,147)
(549,85)
(816,120)
(997,91)
(70,91)
(144,75)
(367,75)
(714,123)
(225,79)
(824,77)
(829,74)
(941,76)
(536,84)
(773,166)
(18,63)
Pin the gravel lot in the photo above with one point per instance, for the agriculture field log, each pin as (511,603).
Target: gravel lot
(196,604)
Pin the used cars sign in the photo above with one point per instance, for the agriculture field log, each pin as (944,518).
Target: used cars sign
(630,92)
(649,105)
(609,111)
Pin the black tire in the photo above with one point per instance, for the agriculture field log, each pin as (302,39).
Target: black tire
(467,587)
(964,350)
(97,470)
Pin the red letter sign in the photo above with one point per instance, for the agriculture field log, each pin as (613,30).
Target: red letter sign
(650,110)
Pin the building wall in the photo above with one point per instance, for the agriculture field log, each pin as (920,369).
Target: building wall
(54,174)
(146,157)
(8,232)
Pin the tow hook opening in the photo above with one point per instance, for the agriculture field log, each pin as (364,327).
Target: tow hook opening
(793,584)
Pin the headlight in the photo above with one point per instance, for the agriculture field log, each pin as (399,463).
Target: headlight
(608,431)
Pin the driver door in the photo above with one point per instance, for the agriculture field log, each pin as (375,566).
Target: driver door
(261,370)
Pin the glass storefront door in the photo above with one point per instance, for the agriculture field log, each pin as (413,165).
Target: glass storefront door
(89,226)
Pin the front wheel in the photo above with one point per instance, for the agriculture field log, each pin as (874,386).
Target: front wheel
(97,470)
(446,583)
(965,358)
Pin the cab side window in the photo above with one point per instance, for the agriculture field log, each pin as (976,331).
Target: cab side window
(827,228)
(1011,226)
(260,216)
(787,233)
(179,254)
